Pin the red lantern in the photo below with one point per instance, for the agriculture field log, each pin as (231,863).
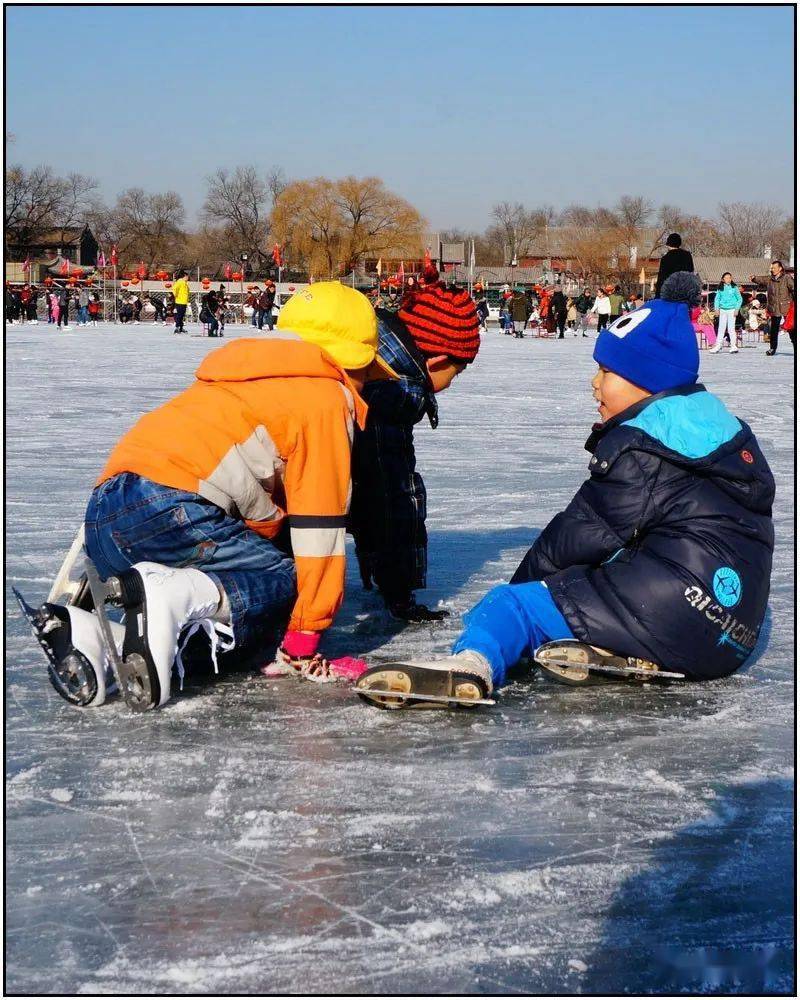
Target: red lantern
(134,281)
(48,281)
(125,284)
(205,282)
(90,281)
(167,284)
(291,288)
(237,276)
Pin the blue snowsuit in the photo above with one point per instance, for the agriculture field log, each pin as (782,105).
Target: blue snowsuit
(388,507)
(664,553)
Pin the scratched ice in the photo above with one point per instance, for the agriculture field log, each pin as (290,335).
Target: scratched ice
(275,837)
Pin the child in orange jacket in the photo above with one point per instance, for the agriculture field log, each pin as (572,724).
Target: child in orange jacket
(226,507)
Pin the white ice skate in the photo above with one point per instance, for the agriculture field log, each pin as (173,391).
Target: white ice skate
(159,602)
(717,347)
(463,680)
(79,668)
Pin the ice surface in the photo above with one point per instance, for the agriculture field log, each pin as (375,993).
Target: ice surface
(272,836)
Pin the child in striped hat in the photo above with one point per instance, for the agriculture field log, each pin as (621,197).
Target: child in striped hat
(428,342)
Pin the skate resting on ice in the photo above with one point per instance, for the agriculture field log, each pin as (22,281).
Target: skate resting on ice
(225,510)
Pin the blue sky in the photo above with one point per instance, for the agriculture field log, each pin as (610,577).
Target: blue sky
(455,108)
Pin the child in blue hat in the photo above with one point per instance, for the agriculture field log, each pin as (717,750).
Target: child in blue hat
(664,554)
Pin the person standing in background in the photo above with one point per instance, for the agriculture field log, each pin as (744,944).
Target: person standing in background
(180,292)
(727,303)
(617,301)
(601,306)
(780,295)
(519,312)
(675,259)
(558,304)
(83,306)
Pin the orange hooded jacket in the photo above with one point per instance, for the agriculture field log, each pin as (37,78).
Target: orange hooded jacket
(264,433)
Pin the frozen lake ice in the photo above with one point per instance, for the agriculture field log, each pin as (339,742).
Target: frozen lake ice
(279,837)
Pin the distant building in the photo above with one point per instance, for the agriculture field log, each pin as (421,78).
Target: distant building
(73,243)
(711,269)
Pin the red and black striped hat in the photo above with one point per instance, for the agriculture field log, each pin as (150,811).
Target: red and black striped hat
(442,320)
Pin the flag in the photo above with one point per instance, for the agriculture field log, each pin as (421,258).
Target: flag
(64,269)
(427,257)
(228,272)
(379,268)
(27,265)
(276,255)
(142,271)
(401,274)
(101,259)
(114,257)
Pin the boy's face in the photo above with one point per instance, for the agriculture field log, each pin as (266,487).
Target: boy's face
(614,393)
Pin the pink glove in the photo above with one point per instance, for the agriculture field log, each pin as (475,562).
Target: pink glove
(301,645)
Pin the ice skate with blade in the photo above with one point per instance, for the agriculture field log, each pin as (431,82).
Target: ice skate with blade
(69,634)
(569,661)
(460,681)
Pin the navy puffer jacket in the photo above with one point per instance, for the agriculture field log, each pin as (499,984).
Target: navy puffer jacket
(665,552)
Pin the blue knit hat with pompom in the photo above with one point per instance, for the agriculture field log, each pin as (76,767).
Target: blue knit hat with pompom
(655,346)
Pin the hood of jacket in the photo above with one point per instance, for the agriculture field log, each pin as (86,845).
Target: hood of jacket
(410,396)
(692,429)
(280,355)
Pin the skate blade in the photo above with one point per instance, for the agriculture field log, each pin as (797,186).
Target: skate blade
(72,676)
(392,686)
(409,699)
(131,673)
(571,663)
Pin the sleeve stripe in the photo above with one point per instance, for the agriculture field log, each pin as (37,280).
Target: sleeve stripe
(317,520)
(318,542)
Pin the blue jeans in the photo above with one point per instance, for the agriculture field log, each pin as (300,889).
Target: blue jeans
(511,621)
(130,519)
(83,314)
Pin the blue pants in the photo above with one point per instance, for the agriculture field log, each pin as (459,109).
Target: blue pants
(83,314)
(130,519)
(512,620)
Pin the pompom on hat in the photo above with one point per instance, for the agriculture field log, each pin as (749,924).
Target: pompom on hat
(442,320)
(655,346)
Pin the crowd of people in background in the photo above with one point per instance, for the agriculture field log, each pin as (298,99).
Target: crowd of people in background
(723,316)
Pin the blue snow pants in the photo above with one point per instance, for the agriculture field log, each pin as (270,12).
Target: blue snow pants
(512,620)
(131,519)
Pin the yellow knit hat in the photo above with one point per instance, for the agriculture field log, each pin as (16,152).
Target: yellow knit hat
(336,318)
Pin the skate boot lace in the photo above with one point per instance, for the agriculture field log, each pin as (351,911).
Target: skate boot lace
(219,635)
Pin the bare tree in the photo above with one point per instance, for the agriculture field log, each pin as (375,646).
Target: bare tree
(633,212)
(239,203)
(747,227)
(144,227)
(30,200)
(78,194)
(519,228)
